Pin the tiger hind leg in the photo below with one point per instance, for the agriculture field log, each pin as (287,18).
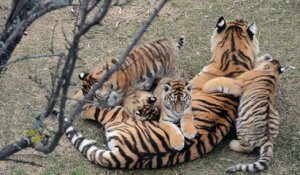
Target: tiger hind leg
(273,121)
(237,146)
(223,85)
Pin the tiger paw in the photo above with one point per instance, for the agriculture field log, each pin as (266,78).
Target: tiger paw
(177,142)
(237,146)
(189,132)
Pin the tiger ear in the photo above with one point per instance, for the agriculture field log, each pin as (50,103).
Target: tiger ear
(252,30)
(221,24)
(265,57)
(268,57)
(151,100)
(189,87)
(281,69)
(166,87)
(138,112)
(82,75)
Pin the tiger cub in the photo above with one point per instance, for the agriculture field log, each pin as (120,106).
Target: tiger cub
(174,102)
(142,66)
(141,105)
(258,121)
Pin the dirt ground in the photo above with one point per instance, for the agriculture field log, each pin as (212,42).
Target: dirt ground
(22,98)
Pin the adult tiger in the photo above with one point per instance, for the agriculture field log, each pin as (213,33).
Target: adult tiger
(143,144)
(142,66)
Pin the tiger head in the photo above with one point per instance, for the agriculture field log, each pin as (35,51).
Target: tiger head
(102,94)
(87,81)
(239,34)
(267,63)
(141,105)
(175,97)
(234,47)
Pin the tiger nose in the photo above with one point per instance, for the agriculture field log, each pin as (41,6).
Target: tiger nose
(151,100)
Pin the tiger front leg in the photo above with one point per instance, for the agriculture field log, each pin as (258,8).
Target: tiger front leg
(175,136)
(223,85)
(187,126)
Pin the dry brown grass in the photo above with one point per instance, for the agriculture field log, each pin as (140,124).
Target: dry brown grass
(21,100)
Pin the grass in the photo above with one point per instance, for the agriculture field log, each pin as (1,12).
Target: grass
(21,100)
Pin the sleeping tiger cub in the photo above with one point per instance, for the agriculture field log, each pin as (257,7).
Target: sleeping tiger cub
(174,101)
(258,121)
(140,69)
(141,105)
(138,104)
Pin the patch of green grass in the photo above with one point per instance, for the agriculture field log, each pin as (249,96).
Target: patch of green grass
(17,170)
(48,172)
(278,23)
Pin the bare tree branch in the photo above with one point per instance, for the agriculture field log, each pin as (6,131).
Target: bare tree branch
(15,147)
(28,57)
(64,81)
(52,38)
(20,20)
(25,162)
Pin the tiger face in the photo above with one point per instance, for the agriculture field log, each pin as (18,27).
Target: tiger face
(108,93)
(176,96)
(141,105)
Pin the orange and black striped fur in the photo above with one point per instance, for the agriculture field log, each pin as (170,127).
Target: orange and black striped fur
(234,46)
(142,66)
(174,101)
(258,121)
(144,144)
(141,104)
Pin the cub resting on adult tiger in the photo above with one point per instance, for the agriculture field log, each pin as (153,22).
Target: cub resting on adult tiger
(175,103)
(258,121)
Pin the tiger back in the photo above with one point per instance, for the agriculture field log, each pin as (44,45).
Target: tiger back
(258,121)
(141,67)
(135,144)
